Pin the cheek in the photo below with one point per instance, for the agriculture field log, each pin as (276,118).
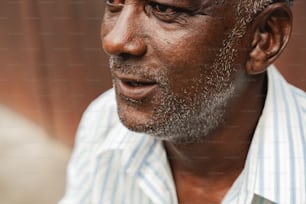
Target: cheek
(190,47)
(189,57)
(189,60)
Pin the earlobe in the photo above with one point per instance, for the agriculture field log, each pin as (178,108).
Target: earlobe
(271,32)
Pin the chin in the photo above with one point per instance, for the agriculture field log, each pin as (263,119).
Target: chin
(135,125)
(135,119)
(141,122)
(162,129)
(137,115)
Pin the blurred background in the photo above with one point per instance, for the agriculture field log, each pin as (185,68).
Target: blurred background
(51,67)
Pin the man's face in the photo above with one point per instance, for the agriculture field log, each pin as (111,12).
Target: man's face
(166,58)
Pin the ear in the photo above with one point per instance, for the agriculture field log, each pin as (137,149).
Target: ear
(271,33)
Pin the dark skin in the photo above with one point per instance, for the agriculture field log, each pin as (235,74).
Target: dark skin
(149,35)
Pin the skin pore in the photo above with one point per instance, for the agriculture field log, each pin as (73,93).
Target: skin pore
(188,57)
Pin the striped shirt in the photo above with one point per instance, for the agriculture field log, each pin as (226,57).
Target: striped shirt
(112,165)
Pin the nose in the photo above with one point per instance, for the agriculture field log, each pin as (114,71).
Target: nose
(122,37)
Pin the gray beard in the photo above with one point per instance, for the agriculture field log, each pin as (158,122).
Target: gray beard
(187,119)
(190,122)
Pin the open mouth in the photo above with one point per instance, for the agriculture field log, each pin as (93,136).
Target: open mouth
(136,83)
(135,89)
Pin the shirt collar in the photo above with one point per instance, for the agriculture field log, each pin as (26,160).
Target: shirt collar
(275,159)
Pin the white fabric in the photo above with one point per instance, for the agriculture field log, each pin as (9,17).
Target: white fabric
(111,164)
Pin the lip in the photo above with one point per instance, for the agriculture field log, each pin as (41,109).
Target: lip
(134,88)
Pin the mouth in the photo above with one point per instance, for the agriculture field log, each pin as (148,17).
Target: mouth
(134,88)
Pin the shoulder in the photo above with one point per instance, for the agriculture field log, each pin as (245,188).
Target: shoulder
(105,99)
(100,114)
(100,128)
(99,123)
(105,103)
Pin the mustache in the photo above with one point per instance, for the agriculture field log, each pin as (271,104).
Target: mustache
(152,72)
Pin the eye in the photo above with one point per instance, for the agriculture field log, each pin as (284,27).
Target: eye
(115,5)
(164,12)
(114,2)
(163,9)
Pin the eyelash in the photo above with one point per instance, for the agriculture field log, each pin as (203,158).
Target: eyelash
(163,12)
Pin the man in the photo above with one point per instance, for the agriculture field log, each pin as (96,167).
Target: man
(201,118)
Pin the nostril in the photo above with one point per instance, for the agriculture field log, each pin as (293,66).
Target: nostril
(125,55)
